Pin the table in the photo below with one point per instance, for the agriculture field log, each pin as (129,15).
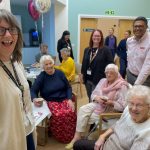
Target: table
(40,113)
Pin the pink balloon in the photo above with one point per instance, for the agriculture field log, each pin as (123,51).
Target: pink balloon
(32,11)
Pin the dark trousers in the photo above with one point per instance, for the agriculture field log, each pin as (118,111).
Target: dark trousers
(89,88)
(123,66)
(30,142)
(131,78)
(84,145)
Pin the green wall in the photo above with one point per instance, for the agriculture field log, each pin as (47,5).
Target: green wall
(99,7)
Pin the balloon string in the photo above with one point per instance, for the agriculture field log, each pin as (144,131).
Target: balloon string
(35,22)
(42,26)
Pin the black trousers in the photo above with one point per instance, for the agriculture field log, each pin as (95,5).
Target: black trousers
(84,145)
(30,142)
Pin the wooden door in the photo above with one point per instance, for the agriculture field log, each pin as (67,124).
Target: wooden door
(124,25)
(86,27)
(104,24)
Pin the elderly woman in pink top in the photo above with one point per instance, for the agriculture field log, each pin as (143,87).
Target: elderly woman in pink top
(108,96)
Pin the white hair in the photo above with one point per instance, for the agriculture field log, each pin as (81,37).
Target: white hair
(139,91)
(43,58)
(112,67)
(66,50)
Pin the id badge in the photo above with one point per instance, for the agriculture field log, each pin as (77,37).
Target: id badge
(89,72)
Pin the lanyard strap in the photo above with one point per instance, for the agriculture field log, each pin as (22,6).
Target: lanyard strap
(16,81)
(92,57)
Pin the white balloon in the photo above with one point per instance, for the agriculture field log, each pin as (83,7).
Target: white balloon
(42,5)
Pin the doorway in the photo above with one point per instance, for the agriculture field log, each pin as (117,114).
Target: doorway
(87,25)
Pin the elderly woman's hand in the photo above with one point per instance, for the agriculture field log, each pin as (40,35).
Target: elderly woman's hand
(99,143)
(71,105)
(99,100)
(109,102)
(38,102)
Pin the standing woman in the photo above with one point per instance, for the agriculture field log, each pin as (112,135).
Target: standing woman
(64,42)
(16,120)
(96,58)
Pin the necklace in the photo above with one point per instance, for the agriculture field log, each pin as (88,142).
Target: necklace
(16,81)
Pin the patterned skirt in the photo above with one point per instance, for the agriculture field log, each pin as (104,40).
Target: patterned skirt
(62,121)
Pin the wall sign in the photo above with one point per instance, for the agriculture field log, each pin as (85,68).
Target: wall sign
(87,30)
(110,12)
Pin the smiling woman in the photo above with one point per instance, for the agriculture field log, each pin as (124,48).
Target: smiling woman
(15,98)
(54,88)
(139,103)
(131,131)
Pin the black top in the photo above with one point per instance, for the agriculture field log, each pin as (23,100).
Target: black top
(97,66)
(52,87)
(63,44)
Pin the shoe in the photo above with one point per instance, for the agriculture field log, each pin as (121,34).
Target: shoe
(69,146)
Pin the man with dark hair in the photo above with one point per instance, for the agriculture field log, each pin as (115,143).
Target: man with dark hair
(138,54)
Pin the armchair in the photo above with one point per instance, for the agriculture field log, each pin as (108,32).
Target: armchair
(107,120)
(77,80)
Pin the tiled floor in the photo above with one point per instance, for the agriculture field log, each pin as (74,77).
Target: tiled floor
(52,144)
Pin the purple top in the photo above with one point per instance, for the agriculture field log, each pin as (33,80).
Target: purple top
(111,42)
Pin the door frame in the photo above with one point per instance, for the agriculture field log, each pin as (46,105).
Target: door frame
(81,16)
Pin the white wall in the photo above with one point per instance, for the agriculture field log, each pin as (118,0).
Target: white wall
(61,20)
(5,4)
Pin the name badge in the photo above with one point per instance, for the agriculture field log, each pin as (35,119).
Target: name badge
(89,72)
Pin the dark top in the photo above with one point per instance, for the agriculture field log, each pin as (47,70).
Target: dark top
(107,41)
(63,44)
(38,57)
(52,87)
(97,66)
(122,50)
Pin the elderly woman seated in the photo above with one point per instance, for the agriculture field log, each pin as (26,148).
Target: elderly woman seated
(108,96)
(55,89)
(132,131)
(67,66)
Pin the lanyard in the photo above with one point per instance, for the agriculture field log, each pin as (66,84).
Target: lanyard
(16,81)
(92,57)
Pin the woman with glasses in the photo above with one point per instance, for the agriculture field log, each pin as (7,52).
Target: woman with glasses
(96,58)
(132,131)
(16,120)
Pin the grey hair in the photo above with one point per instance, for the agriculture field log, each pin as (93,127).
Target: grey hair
(139,91)
(112,67)
(44,58)
(66,50)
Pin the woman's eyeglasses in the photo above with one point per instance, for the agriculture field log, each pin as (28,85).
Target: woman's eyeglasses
(138,106)
(12,31)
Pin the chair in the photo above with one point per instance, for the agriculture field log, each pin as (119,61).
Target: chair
(77,80)
(74,99)
(107,120)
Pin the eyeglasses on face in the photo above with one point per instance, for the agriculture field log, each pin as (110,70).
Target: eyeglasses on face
(138,26)
(138,106)
(12,31)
